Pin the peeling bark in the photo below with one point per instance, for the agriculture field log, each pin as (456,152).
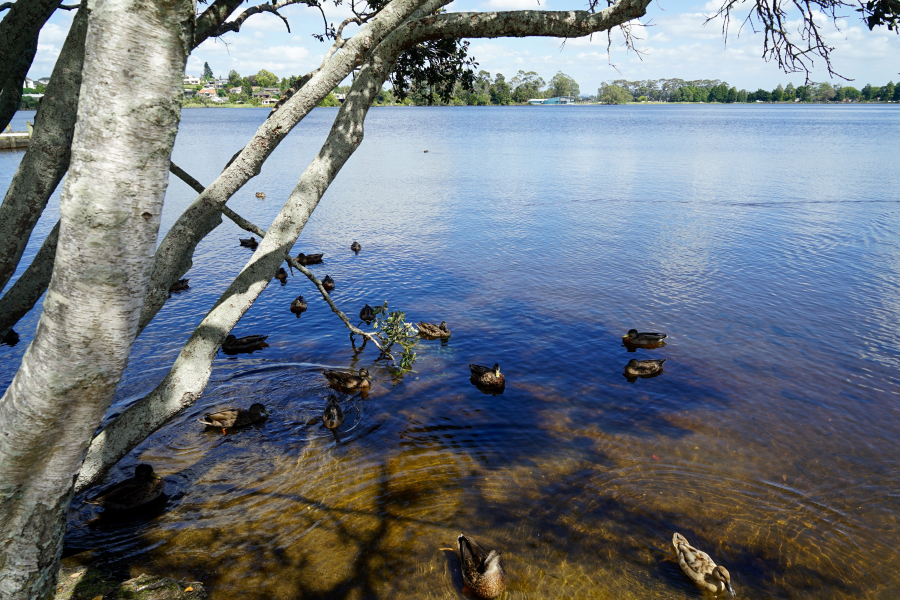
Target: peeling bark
(109,222)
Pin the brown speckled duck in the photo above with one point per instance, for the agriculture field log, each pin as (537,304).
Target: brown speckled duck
(644,368)
(349,381)
(355,247)
(367,314)
(180,285)
(430,330)
(249,242)
(481,570)
(298,305)
(146,486)
(700,568)
(281,275)
(643,339)
(248,343)
(261,195)
(309,259)
(328,283)
(228,418)
(484,377)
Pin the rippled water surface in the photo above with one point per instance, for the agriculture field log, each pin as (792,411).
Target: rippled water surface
(762,239)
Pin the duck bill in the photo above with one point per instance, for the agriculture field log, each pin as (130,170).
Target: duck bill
(155,476)
(730,589)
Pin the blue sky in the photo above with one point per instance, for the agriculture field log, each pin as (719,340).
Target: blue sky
(677,44)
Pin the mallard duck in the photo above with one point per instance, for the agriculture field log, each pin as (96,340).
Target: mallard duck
(481,570)
(248,343)
(179,286)
(635,338)
(328,283)
(249,243)
(309,259)
(298,305)
(261,195)
(430,330)
(700,568)
(349,381)
(11,338)
(235,417)
(355,247)
(487,378)
(644,368)
(281,275)
(333,415)
(367,314)
(146,486)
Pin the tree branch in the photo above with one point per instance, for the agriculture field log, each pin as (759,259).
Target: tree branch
(212,18)
(28,289)
(235,25)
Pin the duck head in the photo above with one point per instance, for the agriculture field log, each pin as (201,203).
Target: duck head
(258,409)
(364,373)
(145,471)
(721,573)
(444,325)
(633,362)
(496,370)
(631,333)
(230,339)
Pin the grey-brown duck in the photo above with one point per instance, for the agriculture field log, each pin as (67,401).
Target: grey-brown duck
(328,283)
(643,339)
(228,418)
(430,330)
(349,381)
(309,259)
(481,570)
(367,314)
(700,568)
(298,305)
(249,243)
(483,377)
(146,486)
(355,247)
(180,285)
(248,343)
(281,275)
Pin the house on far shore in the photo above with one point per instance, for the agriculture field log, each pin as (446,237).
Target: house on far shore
(44,81)
(221,82)
(234,90)
(29,84)
(559,100)
(189,80)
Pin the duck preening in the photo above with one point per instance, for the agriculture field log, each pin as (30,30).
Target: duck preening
(180,285)
(298,305)
(355,247)
(367,314)
(484,378)
(249,243)
(248,343)
(309,259)
(228,418)
(328,283)
(700,568)
(349,381)
(481,570)
(643,368)
(146,486)
(281,275)
(430,330)
(636,338)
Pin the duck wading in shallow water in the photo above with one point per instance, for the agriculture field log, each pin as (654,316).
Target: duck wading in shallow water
(367,314)
(643,368)
(249,243)
(328,283)
(700,568)
(355,247)
(349,381)
(309,259)
(644,339)
(298,305)
(431,331)
(487,380)
(481,570)
(228,418)
(248,343)
(145,487)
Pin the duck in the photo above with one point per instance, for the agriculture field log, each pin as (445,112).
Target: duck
(236,417)
(249,243)
(328,283)
(367,314)
(10,339)
(281,275)
(355,247)
(349,381)
(261,195)
(248,343)
(485,377)
(180,285)
(430,330)
(146,486)
(700,568)
(333,415)
(481,570)
(636,338)
(644,368)
(298,305)
(309,259)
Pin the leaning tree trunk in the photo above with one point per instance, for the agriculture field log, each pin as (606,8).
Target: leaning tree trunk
(110,208)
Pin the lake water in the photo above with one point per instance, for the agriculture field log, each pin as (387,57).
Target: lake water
(765,240)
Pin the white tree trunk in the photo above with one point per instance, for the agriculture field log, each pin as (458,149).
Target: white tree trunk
(127,120)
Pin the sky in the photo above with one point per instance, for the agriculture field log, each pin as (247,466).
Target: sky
(675,43)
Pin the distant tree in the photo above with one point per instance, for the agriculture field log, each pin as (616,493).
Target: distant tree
(868,92)
(778,93)
(823,92)
(563,85)
(266,79)
(234,78)
(803,93)
(500,93)
(642,98)
(888,91)
(526,86)
(789,93)
(614,94)
(246,91)
(330,100)
(897,93)
(207,72)
(763,95)
(732,95)
(850,92)
(742,96)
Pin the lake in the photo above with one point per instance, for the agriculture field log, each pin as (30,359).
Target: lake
(765,240)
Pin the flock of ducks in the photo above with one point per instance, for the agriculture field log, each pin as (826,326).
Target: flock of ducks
(482,572)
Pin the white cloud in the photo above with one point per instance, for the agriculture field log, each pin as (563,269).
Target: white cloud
(514,5)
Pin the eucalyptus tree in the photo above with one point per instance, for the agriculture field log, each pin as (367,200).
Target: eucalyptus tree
(104,272)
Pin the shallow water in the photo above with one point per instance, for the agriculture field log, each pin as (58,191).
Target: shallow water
(762,239)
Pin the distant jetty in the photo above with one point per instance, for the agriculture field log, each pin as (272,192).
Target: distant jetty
(10,139)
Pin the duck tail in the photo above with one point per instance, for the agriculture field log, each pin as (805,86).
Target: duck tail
(492,561)
(663,361)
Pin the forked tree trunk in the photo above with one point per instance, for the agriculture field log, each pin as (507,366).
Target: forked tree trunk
(127,120)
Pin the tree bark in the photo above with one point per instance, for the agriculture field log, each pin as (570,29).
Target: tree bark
(47,158)
(110,211)
(28,289)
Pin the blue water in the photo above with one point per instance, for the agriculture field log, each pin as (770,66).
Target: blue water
(762,239)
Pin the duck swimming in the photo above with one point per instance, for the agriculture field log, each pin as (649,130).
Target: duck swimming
(10,339)
(483,377)
(236,417)
(248,343)
(367,314)
(481,570)
(349,381)
(644,368)
(328,283)
(355,247)
(636,338)
(261,195)
(298,305)
(249,243)
(333,415)
(309,259)
(146,486)
(180,285)
(281,275)
(700,568)
(429,330)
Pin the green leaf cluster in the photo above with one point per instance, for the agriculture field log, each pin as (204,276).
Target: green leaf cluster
(390,327)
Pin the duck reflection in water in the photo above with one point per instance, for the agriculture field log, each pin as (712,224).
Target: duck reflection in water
(645,369)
